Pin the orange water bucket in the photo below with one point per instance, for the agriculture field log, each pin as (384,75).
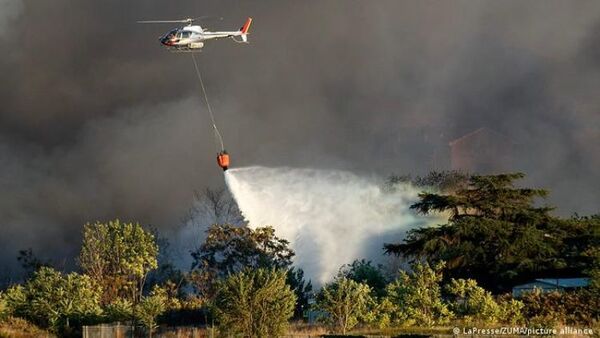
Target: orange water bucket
(223,160)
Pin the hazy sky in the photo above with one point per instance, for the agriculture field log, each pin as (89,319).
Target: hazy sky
(98,121)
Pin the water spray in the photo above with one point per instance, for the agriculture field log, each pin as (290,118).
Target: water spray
(330,217)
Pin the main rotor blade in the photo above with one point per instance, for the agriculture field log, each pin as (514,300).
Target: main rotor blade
(208,17)
(166,21)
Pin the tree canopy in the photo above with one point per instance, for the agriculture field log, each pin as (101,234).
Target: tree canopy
(118,256)
(364,271)
(495,234)
(229,249)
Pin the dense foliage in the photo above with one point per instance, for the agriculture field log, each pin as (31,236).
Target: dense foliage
(118,257)
(440,181)
(255,303)
(364,271)
(497,235)
(302,289)
(56,301)
(229,249)
(581,307)
(344,302)
(473,303)
(415,297)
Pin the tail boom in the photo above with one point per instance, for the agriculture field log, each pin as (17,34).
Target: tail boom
(244,29)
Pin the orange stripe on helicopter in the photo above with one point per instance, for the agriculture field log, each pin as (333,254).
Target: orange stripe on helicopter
(246,26)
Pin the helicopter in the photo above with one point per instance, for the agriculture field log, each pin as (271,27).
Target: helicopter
(191,38)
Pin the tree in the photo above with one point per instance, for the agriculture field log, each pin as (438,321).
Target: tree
(416,296)
(150,307)
(495,234)
(216,205)
(229,249)
(591,250)
(118,256)
(255,303)
(30,262)
(440,181)
(363,271)
(345,301)
(302,289)
(56,301)
(166,272)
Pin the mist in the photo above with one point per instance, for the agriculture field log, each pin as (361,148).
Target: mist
(330,217)
(97,121)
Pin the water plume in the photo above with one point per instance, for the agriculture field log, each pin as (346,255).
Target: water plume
(330,217)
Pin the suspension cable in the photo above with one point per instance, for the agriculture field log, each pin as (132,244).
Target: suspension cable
(218,137)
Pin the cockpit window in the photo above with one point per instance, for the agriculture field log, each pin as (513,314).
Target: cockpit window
(186,35)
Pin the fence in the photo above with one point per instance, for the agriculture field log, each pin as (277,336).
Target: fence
(127,331)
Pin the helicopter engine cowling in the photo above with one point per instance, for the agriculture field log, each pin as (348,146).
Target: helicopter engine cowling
(196,45)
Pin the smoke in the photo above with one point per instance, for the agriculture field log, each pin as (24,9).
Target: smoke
(211,206)
(330,217)
(97,121)
(9,12)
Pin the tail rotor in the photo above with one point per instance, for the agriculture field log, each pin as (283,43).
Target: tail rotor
(244,30)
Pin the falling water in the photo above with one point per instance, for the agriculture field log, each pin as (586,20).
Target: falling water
(330,217)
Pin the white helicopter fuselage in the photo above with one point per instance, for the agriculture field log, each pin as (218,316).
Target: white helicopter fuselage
(192,37)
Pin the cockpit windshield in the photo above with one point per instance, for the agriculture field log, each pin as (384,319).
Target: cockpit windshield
(171,34)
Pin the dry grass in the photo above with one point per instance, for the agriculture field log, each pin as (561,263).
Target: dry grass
(301,329)
(20,328)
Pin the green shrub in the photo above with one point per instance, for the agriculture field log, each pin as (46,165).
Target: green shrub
(345,302)
(472,302)
(150,307)
(4,312)
(550,309)
(15,301)
(416,297)
(119,310)
(255,303)
(511,310)
(55,301)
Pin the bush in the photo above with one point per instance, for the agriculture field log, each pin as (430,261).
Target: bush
(55,301)
(472,302)
(383,313)
(416,297)
(255,303)
(555,308)
(3,308)
(150,307)
(363,271)
(511,310)
(15,301)
(345,302)
(119,310)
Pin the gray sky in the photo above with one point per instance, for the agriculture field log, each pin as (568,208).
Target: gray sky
(97,121)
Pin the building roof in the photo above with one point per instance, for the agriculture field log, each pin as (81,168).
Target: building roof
(566,282)
(559,282)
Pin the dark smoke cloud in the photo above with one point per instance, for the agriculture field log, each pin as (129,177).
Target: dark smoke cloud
(97,121)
